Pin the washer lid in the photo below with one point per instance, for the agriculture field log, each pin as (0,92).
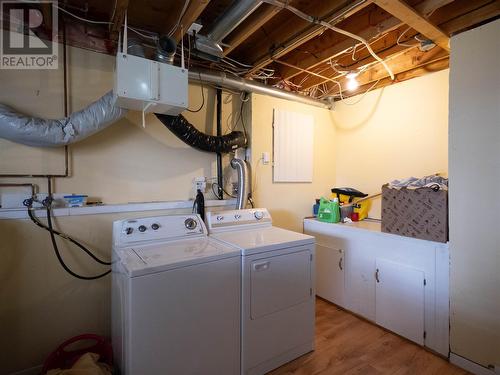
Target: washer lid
(252,241)
(145,259)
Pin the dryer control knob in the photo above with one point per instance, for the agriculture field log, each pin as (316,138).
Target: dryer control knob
(220,218)
(237,216)
(142,228)
(258,215)
(155,226)
(190,223)
(129,230)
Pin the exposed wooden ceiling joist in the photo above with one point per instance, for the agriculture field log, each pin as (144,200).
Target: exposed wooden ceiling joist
(254,22)
(320,55)
(431,67)
(472,18)
(411,17)
(191,14)
(452,17)
(311,32)
(399,63)
(118,18)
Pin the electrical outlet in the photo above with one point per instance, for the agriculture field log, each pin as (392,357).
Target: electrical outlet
(200,183)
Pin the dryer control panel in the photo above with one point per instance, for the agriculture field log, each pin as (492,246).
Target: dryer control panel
(159,228)
(228,220)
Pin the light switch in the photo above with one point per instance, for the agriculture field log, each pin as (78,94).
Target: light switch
(265,158)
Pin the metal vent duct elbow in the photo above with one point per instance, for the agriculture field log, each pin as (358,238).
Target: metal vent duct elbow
(243,182)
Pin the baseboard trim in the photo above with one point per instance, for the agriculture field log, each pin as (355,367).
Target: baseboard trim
(29,371)
(470,365)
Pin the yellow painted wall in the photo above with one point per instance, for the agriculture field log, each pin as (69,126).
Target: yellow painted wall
(392,133)
(124,162)
(41,306)
(289,203)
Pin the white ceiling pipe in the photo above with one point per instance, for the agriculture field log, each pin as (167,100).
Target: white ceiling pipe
(240,84)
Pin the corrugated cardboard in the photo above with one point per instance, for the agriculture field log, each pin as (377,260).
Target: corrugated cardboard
(419,213)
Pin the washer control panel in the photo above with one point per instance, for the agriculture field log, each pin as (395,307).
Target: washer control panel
(157,228)
(229,219)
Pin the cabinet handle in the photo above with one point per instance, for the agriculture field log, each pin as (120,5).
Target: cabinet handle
(340,264)
(261,266)
(377,275)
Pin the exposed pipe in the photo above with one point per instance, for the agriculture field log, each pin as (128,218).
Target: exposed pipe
(241,84)
(220,180)
(165,52)
(232,18)
(243,182)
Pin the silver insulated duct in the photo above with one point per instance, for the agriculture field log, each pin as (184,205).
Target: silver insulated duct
(33,131)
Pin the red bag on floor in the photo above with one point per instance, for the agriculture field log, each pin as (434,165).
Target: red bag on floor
(62,358)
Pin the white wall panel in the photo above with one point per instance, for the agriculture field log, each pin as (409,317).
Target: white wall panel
(293,146)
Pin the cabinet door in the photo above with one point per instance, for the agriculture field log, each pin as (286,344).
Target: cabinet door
(399,299)
(330,265)
(360,283)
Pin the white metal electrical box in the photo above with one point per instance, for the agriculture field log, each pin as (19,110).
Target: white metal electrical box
(150,86)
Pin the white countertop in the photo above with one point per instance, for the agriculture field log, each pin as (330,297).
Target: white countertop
(367,225)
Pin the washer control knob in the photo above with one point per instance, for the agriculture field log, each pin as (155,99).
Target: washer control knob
(258,215)
(190,223)
(129,230)
(220,218)
(155,226)
(142,228)
(237,216)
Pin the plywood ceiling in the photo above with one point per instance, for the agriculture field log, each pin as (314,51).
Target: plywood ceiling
(280,49)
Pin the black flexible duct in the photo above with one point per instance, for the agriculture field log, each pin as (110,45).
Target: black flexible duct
(204,142)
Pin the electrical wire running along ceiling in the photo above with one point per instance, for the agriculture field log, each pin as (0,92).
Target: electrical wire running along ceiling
(322,49)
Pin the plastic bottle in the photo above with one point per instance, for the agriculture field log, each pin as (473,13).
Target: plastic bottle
(336,210)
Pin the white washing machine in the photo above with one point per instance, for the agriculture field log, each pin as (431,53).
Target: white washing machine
(277,287)
(175,298)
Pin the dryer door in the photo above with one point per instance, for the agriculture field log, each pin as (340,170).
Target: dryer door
(279,282)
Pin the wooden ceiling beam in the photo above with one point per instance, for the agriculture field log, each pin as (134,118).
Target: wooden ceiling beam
(118,17)
(320,56)
(308,34)
(472,18)
(193,11)
(412,18)
(399,63)
(434,66)
(254,22)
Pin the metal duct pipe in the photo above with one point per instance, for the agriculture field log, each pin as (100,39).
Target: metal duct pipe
(241,84)
(243,182)
(232,18)
(165,52)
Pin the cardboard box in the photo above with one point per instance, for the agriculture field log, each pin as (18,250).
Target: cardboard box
(419,213)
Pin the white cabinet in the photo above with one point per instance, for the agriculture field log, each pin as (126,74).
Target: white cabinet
(330,266)
(399,301)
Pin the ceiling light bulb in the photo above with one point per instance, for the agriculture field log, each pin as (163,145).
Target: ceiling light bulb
(352,84)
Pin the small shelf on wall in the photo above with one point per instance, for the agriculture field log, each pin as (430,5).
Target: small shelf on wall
(293,146)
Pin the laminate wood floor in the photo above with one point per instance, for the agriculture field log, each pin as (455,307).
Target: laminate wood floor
(346,344)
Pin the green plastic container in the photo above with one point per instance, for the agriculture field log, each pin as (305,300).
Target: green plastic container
(329,211)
